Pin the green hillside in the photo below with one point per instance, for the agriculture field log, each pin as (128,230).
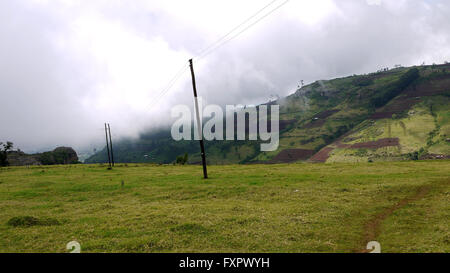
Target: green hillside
(401,114)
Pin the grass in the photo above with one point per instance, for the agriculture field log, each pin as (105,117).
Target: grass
(241,208)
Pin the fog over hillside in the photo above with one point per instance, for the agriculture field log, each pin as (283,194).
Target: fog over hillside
(69,66)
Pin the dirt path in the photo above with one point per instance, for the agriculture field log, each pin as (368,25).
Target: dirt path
(373,226)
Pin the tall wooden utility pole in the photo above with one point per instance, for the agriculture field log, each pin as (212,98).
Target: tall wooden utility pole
(199,125)
(107,147)
(110,145)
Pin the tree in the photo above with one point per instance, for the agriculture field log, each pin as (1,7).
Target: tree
(6,147)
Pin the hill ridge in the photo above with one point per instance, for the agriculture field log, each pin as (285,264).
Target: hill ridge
(399,114)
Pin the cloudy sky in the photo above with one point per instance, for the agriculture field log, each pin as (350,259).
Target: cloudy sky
(68,66)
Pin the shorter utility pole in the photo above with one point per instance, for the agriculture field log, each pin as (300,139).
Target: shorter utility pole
(107,147)
(199,125)
(110,145)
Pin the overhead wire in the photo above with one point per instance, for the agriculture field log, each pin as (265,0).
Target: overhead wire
(171,83)
(223,42)
(235,28)
(219,43)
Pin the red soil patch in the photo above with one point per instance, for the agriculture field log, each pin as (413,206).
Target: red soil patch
(292,155)
(384,142)
(381,115)
(401,105)
(430,88)
(396,107)
(322,155)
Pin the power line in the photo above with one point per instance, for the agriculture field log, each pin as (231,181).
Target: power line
(217,44)
(223,42)
(169,85)
(235,28)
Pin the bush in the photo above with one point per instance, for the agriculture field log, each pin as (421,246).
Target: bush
(416,155)
(413,156)
(182,159)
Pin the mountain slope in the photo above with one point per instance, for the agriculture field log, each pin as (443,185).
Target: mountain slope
(392,115)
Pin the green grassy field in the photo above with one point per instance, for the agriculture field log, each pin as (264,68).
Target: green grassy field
(241,208)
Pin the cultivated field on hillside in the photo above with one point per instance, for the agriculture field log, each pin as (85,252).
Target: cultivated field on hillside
(300,207)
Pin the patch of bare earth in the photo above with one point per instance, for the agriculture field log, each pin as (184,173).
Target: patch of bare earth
(431,88)
(322,155)
(292,155)
(396,107)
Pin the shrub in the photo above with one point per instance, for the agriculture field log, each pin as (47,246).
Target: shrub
(182,159)
(413,156)
(28,221)
(416,155)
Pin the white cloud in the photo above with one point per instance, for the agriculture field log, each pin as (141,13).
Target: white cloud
(68,66)
(373,2)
